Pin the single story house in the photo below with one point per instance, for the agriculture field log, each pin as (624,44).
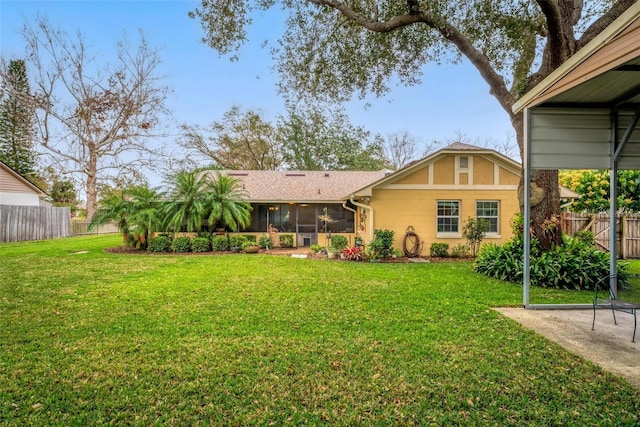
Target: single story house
(435,196)
(16,190)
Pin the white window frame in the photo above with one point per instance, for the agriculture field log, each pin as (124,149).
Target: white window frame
(448,234)
(496,233)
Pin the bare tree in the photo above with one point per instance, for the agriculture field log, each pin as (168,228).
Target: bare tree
(94,119)
(400,149)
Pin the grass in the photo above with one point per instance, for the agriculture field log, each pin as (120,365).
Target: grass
(97,338)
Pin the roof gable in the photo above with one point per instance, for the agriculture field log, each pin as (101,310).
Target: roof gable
(406,174)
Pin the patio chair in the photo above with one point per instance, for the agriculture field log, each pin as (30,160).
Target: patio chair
(615,305)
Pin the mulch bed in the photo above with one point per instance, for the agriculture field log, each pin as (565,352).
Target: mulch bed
(276,251)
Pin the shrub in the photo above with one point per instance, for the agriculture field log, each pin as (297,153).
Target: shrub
(398,253)
(237,241)
(248,243)
(315,248)
(574,265)
(460,251)
(439,250)
(200,244)
(220,243)
(204,234)
(339,242)
(385,242)
(353,254)
(474,231)
(250,238)
(265,242)
(181,244)
(585,236)
(286,240)
(159,244)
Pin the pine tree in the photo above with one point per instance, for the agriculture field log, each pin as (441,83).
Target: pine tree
(16,120)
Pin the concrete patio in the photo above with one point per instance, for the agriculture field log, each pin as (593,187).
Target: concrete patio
(609,345)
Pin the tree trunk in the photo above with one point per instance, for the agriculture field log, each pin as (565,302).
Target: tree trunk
(544,197)
(91,187)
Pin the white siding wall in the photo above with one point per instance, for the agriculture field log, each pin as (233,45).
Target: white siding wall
(19,199)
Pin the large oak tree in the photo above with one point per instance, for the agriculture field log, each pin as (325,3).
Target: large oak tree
(335,49)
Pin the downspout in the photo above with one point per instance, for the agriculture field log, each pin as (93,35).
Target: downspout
(355,213)
(344,205)
(370,209)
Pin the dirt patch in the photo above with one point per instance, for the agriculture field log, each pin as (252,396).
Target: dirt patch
(609,345)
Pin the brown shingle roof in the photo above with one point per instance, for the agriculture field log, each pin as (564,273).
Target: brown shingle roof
(302,186)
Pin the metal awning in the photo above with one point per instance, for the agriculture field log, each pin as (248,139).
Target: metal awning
(585,115)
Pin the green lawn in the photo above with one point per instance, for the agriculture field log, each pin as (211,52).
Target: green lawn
(94,338)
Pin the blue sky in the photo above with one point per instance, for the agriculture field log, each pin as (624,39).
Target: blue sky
(452,99)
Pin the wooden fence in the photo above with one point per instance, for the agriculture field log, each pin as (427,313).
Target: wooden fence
(82,227)
(627,226)
(18,223)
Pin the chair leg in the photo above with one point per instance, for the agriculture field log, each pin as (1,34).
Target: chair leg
(635,326)
(593,324)
(613,311)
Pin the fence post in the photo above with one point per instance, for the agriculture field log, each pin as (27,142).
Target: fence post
(623,236)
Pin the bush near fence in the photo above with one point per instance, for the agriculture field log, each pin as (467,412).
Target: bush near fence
(628,230)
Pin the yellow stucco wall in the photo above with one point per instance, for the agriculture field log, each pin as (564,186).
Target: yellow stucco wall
(483,171)
(396,209)
(508,178)
(421,176)
(443,172)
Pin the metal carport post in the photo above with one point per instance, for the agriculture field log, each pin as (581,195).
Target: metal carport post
(585,116)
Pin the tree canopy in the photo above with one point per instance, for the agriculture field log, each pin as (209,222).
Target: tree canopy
(593,188)
(314,138)
(308,138)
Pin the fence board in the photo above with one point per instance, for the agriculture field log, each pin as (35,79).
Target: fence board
(18,223)
(628,230)
(82,227)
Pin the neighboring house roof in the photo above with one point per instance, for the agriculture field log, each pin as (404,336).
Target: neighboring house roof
(302,186)
(566,193)
(12,181)
(455,148)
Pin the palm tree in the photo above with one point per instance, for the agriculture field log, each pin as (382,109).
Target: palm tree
(114,207)
(146,213)
(188,201)
(137,211)
(227,202)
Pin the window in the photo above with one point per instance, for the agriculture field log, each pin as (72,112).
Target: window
(464,162)
(488,209)
(448,216)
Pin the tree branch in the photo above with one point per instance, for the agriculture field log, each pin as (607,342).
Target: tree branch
(604,21)
(495,81)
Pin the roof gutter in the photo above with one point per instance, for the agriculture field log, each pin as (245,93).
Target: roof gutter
(366,207)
